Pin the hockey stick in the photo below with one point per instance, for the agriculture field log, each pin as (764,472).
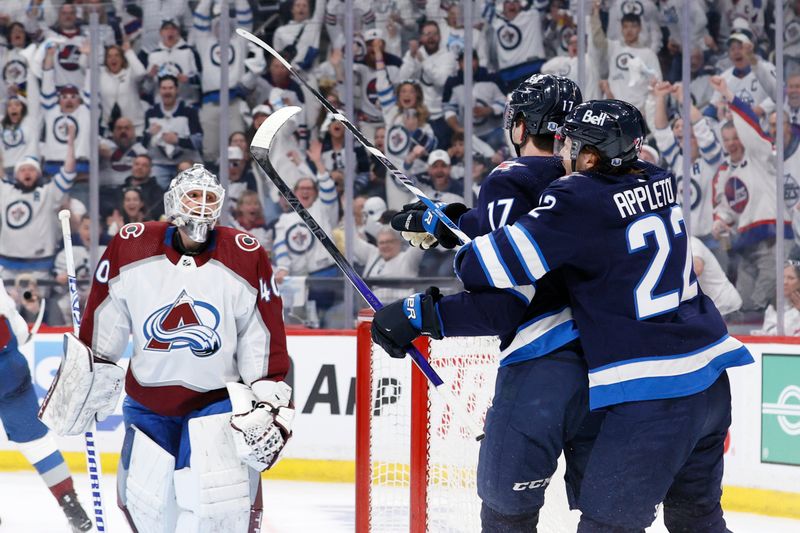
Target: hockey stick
(92,461)
(259,148)
(407,182)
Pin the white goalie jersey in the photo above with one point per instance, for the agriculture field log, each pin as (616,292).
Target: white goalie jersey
(197,322)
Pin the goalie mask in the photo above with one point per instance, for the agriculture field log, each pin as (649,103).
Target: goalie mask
(193,202)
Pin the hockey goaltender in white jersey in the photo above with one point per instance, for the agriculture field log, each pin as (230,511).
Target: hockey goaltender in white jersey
(206,405)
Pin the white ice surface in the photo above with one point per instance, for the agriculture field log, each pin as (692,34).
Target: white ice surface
(290,507)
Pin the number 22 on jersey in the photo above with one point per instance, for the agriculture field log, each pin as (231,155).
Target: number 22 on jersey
(646,302)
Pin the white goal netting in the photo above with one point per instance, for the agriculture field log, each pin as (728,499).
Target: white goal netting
(422,461)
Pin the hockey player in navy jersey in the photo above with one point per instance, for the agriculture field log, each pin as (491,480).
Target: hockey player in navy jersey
(18,407)
(540,405)
(656,346)
(207,407)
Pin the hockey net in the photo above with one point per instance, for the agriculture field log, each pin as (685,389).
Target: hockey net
(416,463)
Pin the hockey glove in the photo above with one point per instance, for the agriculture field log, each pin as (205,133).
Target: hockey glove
(397,324)
(261,421)
(85,388)
(420,226)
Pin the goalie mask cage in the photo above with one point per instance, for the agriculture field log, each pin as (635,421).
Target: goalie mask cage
(416,464)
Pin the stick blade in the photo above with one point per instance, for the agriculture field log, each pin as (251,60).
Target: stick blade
(266,132)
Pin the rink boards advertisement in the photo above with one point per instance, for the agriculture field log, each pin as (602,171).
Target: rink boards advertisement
(762,450)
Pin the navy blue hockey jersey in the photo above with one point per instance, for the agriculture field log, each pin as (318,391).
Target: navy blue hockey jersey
(528,326)
(647,329)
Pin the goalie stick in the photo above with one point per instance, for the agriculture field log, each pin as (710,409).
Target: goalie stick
(259,148)
(407,182)
(92,456)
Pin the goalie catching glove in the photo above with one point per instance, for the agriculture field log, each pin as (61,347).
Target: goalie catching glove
(84,388)
(397,324)
(421,228)
(261,421)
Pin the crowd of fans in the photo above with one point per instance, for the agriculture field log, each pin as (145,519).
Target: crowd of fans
(159,113)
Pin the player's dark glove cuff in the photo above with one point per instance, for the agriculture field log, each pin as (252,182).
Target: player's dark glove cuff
(397,324)
(442,233)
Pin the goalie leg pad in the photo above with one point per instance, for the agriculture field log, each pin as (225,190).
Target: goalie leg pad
(81,389)
(146,490)
(214,493)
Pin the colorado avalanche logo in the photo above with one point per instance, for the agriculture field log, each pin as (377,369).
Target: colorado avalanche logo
(185,323)
(131,231)
(737,194)
(246,242)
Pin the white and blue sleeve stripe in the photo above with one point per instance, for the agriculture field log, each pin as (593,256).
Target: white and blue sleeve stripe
(493,267)
(527,251)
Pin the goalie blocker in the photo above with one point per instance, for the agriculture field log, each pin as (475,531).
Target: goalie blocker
(84,387)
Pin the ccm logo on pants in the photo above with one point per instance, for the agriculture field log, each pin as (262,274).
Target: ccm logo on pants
(527,485)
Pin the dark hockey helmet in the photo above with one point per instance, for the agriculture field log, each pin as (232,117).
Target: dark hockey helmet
(613,127)
(544,101)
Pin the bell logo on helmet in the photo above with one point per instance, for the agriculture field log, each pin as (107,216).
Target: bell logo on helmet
(597,120)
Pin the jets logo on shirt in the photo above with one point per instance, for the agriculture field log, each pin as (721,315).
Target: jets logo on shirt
(507,165)
(18,214)
(509,36)
(791,33)
(372,91)
(216,53)
(15,72)
(60,128)
(566,34)
(299,239)
(13,137)
(694,192)
(737,194)
(69,57)
(185,323)
(791,191)
(397,140)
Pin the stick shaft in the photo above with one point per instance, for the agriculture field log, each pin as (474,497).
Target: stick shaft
(404,180)
(93,466)
(261,156)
